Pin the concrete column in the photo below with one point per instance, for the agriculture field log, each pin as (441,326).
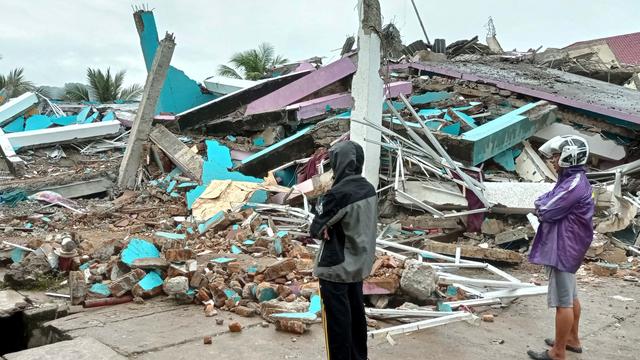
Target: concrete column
(144,117)
(366,88)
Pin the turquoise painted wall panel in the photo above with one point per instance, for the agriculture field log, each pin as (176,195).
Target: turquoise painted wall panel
(179,92)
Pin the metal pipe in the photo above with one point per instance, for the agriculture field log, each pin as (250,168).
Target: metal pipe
(420,21)
(444,154)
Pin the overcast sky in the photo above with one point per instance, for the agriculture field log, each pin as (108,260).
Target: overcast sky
(55,41)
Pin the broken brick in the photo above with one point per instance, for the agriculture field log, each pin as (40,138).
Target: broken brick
(234,267)
(279,269)
(235,327)
(219,297)
(125,283)
(275,306)
(178,255)
(244,311)
(150,263)
(207,340)
(381,285)
(138,291)
(210,310)
(604,269)
(283,291)
(309,289)
(198,280)
(291,326)
(203,295)
(299,251)
(487,317)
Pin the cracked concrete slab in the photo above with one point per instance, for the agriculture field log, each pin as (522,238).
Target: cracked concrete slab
(83,348)
(161,330)
(253,343)
(104,316)
(135,329)
(10,302)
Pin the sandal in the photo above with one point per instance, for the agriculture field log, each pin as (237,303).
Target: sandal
(551,342)
(543,355)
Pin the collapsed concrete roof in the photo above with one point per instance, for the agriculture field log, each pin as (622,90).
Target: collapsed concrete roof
(578,92)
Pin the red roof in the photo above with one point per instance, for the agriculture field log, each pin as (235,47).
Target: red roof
(626,48)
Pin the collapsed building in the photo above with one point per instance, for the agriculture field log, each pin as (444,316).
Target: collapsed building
(205,193)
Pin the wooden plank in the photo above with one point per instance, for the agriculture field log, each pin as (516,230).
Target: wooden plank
(179,153)
(82,188)
(473,252)
(429,222)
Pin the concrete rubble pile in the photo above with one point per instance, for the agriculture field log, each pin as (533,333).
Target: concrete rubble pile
(211,204)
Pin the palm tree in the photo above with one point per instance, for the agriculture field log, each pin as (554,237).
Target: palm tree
(103,87)
(15,83)
(254,63)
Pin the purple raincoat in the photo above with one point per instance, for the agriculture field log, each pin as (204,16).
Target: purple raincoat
(566,222)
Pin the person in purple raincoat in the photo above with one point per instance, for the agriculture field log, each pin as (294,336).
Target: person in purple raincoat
(563,238)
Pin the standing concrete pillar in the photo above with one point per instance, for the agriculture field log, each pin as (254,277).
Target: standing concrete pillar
(144,117)
(366,88)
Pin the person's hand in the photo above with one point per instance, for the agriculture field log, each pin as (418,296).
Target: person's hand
(325,234)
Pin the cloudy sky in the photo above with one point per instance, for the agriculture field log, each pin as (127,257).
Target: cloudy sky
(55,41)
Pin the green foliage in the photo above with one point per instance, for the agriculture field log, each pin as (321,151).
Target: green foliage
(15,83)
(104,87)
(254,63)
(76,92)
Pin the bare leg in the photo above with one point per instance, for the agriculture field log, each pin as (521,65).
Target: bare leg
(564,323)
(574,338)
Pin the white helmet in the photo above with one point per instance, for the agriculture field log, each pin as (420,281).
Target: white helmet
(573,150)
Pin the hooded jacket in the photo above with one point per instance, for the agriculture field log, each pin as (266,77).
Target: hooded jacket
(349,213)
(566,222)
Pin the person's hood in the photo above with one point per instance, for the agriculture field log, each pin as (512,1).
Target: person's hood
(346,159)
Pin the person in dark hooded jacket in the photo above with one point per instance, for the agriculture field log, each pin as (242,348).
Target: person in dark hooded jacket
(346,221)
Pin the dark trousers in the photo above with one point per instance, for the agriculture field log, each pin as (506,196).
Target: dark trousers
(344,320)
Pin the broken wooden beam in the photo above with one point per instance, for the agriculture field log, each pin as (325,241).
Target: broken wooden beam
(180,154)
(429,222)
(144,117)
(82,188)
(473,252)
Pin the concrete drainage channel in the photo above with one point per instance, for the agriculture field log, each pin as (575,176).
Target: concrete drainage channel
(22,322)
